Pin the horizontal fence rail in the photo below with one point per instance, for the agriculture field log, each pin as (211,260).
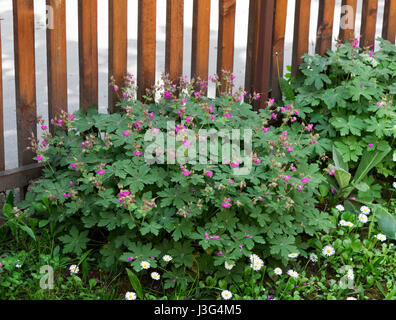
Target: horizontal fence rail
(264,55)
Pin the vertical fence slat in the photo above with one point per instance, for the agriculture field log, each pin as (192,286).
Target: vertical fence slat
(348,33)
(200,39)
(2,160)
(301,32)
(88,52)
(225,46)
(174,39)
(278,46)
(146,45)
(324,35)
(118,47)
(369,19)
(264,54)
(252,45)
(389,26)
(25,77)
(56,59)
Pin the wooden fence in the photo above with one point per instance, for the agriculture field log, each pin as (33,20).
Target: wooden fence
(266,33)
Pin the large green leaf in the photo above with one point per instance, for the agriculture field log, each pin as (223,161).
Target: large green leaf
(339,162)
(369,161)
(386,222)
(343,177)
(136,285)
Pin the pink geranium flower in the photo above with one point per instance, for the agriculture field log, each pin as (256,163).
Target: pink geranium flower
(209,174)
(186,173)
(125,133)
(101,172)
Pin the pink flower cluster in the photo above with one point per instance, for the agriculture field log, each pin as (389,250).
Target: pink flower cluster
(226,204)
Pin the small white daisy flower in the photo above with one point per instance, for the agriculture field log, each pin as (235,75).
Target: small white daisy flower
(340,207)
(365,210)
(394,185)
(363,218)
(227,295)
(293,255)
(381,237)
(228,266)
(351,298)
(130,296)
(155,275)
(292,274)
(278,271)
(254,257)
(349,224)
(328,251)
(167,258)
(145,265)
(18,266)
(343,223)
(350,274)
(313,257)
(74,269)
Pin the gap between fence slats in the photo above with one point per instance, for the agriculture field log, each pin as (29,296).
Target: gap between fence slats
(225,46)
(369,19)
(25,77)
(324,35)
(200,39)
(389,25)
(88,52)
(146,45)
(174,39)
(278,46)
(118,48)
(56,59)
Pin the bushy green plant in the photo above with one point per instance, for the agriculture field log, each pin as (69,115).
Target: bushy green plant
(349,94)
(99,185)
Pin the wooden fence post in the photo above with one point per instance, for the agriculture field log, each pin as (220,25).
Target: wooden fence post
(369,19)
(2,159)
(174,39)
(56,60)
(200,39)
(325,26)
(146,45)
(118,47)
(389,25)
(88,52)
(347,28)
(25,77)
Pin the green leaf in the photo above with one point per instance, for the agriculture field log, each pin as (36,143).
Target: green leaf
(135,283)
(343,177)
(28,230)
(75,242)
(286,89)
(369,161)
(386,222)
(339,162)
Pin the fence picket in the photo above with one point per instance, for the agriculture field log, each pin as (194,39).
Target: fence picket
(56,60)
(389,25)
(301,32)
(278,46)
(225,46)
(350,13)
(2,160)
(88,52)
(118,47)
(369,19)
(200,39)
(25,77)
(325,26)
(146,45)
(174,39)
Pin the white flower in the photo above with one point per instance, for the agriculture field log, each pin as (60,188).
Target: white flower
(155,275)
(328,251)
(363,218)
(313,257)
(145,265)
(381,237)
(340,207)
(74,269)
(228,266)
(343,223)
(365,210)
(18,266)
(349,224)
(351,298)
(278,271)
(293,255)
(257,264)
(292,274)
(167,258)
(130,296)
(350,274)
(394,185)
(227,295)
(254,257)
